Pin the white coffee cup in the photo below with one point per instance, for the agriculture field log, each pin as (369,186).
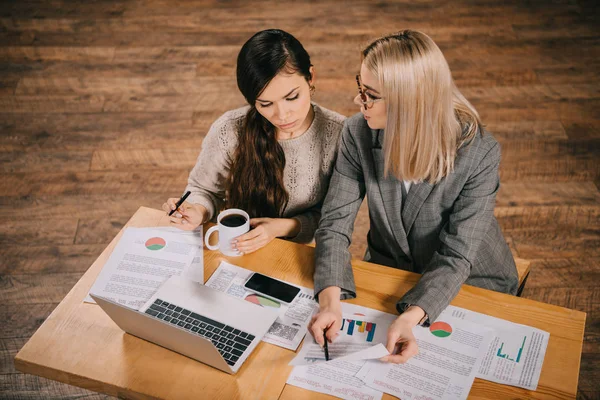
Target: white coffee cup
(229,227)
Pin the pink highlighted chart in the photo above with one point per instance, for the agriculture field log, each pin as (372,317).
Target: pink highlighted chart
(155,243)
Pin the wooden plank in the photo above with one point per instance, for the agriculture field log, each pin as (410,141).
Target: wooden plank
(538,129)
(532,93)
(192,102)
(550,244)
(583,129)
(45,259)
(23,320)
(511,76)
(590,376)
(96,131)
(17,38)
(51,104)
(117,182)
(563,218)
(565,112)
(556,28)
(8,351)
(160,85)
(527,53)
(574,73)
(541,149)
(45,161)
(112,39)
(63,8)
(529,194)
(98,231)
(563,168)
(8,86)
(28,54)
(28,387)
(171,53)
(42,232)
(95,205)
(134,159)
(565,273)
(60,69)
(35,289)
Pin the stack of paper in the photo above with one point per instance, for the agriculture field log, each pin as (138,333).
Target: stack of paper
(143,259)
(458,347)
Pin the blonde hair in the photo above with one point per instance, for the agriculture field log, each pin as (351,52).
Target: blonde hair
(428,119)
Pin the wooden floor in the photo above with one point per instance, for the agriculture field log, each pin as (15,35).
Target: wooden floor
(104,104)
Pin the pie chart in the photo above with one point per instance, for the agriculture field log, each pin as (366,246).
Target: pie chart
(155,243)
(262,301)
(440,329)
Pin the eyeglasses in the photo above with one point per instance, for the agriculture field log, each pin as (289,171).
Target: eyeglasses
(365,99)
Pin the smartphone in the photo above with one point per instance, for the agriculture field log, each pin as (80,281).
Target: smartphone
(271,288)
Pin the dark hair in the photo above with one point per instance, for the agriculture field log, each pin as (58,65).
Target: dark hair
(255,181)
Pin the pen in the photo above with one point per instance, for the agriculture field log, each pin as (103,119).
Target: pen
(180,202)
(326,349)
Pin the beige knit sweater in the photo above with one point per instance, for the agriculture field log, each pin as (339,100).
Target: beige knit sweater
(309,164)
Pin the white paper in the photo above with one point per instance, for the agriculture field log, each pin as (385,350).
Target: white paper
(195,271)
(143,259)
(450,354)
(291,325)
(515,354)
(358,335)
(337,377)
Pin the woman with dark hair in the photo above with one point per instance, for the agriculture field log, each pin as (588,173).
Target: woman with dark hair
(272,158)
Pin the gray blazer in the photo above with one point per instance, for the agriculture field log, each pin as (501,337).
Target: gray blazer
(446,231)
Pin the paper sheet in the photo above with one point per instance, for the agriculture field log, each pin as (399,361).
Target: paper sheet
(358,338)
(337,377)
(450,353)
(143,259)
(292,321)
(515,354)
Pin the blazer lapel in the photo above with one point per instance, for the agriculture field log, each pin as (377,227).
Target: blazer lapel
(391,195)
(417,195)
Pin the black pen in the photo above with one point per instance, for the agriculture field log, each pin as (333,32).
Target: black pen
(326,349)
(180,202)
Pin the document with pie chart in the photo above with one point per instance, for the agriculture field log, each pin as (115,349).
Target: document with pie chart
(451,351)
(143,259)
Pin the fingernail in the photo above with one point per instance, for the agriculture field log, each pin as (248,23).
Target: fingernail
(184,222)
(178,215)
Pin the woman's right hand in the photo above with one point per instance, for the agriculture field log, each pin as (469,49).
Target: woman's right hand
(188,217)
(329,316)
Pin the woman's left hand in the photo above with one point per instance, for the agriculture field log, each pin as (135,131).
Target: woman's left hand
(263,232)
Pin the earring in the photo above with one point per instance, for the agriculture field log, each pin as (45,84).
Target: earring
(312,90)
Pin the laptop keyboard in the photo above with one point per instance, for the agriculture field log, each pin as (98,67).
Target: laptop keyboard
(230,342)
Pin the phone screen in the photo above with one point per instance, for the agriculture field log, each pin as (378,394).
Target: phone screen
(272,287)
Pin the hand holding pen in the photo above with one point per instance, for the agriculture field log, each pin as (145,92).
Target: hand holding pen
(179,202)
(183,215)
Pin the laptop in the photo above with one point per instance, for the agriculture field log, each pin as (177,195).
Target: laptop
(196,321)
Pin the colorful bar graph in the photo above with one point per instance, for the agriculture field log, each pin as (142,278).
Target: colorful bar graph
(349,325)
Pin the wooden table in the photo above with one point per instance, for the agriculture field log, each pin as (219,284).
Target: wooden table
(78,344)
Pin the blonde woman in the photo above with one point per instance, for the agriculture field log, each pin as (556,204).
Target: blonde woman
(419,152)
